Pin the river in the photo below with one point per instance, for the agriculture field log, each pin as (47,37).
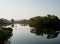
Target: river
(22,35)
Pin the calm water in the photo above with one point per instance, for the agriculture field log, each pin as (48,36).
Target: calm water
(22,35)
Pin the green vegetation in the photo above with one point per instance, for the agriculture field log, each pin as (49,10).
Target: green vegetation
(4,22)
(5,33)
(48,25)
(49,21)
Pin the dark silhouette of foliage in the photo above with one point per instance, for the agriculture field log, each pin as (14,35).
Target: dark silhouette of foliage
(48,25)
(51,33)
(49,21)
(12,20)
(5,34)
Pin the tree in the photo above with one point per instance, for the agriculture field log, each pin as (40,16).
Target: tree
(12,20)
(49,21)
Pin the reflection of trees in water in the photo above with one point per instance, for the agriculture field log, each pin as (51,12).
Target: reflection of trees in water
(23,24)
(5,35)
(51,33)
(51,23)
(7,41)
(12,25)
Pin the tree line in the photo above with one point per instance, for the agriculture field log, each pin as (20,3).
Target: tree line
(6,22)
(49,21)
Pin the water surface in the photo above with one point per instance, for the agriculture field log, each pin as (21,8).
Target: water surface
(22,35)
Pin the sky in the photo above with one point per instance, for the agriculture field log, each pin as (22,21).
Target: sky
(25,9)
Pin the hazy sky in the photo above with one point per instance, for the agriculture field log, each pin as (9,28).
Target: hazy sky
(23,9)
